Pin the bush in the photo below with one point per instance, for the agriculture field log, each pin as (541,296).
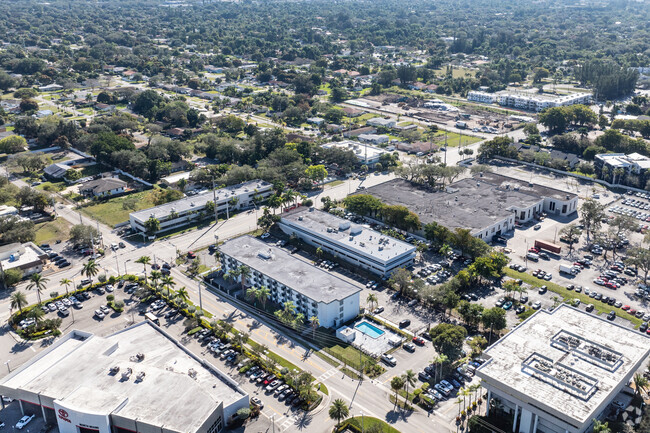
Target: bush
(54,294)
(243,413)
(110,298)
(101,278)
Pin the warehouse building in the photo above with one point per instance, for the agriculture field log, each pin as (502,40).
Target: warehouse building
(190,209)
(488,205)
(361,246)
(313,291)
(139,379)
(559,370)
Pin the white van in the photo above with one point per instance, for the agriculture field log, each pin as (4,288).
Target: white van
(532,256)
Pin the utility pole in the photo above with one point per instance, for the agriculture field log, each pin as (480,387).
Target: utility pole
(200,299)
(445,147)
(214,198)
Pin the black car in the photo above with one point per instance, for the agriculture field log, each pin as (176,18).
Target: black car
(404,323)
(64,264)
(643,327)
(611,315)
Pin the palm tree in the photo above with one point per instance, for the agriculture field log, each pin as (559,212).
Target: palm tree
(251,294)
(396,384)
(18,300)
(338,411)
(244,272)
(37,282)
(37,314)
(65,282)
(263,294)
(315,323)
(155,276)
(640,384)
(168,281)
(371,300)
(440,360)
(144,260)
(183,295)
(319,252)
(409,380)
(90,269)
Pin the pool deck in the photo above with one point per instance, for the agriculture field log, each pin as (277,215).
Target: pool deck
(374,346)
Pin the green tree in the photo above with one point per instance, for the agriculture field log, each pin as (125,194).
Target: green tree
(65,282)
(18,300)
(592,212)
(494,319)
(371,300)
(152,225)
(601,427)
(37,281)
(400,280)
(144,261)
(90,269)
(338,411)
(11,277)
(315,323)
(410,379)
(316,173)
(448,339)
(397,384)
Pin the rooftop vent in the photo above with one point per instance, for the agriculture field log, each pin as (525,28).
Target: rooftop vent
(138,357)
(127,373)
(355,230)
(300,218)
(191,373)
(480,174)
(344,225)
(264,256)
(140,376)
(456,198)
(115,369)
(192,204)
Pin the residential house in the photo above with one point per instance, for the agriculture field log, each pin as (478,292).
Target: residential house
(104,187)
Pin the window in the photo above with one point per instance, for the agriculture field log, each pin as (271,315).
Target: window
(216,427)
(563,208)
(551,206)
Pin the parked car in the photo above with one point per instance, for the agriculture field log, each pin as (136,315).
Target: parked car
(24,421)
(404,323)
(409,347)
(389,359)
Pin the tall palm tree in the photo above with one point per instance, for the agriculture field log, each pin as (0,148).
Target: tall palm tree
(315,323)
(38,283)
(244,272)
(168,281)
(640,384)
(182,295)
(439,361)
(409,380)
(371,300)
(18,300)
(90,269)
(144,261)
(155,277)
(263,294)
(65,282)
(338,411)
(396,384)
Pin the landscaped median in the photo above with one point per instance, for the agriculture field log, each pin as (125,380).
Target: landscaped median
(569,295)
(366,423)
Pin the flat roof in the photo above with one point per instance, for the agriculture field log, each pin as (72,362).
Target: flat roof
(197,201)
(76,371)
(567,362)
(361,150)
(537,190)
(23,255)
(349,235)
(281,266)
(466,204)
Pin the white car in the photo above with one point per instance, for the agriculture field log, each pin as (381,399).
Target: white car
(109,288)
(24,421)
(537,305)
(99,314)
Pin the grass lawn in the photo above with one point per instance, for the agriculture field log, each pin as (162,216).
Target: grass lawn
(51,231)
(52,186)
(369,422)
(111,212)
(334,183)
(452,139)
(457,72)
(570,295)
(92,170)
(325,87)
(349,355)
(327,359)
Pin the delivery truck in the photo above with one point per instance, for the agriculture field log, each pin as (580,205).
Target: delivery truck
(568,269)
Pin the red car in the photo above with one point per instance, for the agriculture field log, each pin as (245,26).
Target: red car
(625,307)
(611,286)
(191,254)
(533,250)
(632,311)
(419,341)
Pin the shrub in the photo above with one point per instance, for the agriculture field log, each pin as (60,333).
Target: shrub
(110,298)
(101,278)
(54,294)
(243,413)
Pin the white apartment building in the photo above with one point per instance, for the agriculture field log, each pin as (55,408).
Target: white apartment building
(189,209)
(560,370)
(361,246)
(313,291)
(529,102)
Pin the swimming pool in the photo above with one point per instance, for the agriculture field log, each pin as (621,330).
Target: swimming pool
(369,330)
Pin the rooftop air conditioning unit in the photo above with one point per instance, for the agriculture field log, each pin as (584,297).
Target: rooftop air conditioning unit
(300,218)
(127,374)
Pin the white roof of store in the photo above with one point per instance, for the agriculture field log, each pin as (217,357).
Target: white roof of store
(76,371)
(514,361)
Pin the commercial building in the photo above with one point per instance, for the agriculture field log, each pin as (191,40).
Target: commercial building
(365,153)
(558,371)
(361,246)
(530,102)
(26,257)
(193,208)
(381,122)
(313,291)
(139,379)
(488,204)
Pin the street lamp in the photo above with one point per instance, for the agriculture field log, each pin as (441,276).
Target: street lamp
(7,364)
(125,262)
(362,423)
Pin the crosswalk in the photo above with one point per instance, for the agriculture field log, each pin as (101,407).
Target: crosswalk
(329,373)
(283,422)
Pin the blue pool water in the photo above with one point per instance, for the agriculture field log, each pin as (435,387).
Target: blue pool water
(369,330)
